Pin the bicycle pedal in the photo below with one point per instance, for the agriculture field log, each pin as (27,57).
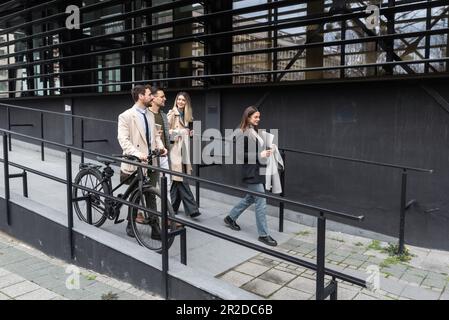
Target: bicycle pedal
(119,221)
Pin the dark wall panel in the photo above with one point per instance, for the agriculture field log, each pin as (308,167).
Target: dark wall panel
(389,121)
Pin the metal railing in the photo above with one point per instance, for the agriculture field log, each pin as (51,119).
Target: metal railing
(264,19)
(83,140)
(404,204)
(322,214)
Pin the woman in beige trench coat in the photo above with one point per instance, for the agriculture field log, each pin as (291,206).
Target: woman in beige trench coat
(179,118)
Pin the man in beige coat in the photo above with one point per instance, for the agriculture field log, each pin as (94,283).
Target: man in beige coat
(137,135)
(131,130)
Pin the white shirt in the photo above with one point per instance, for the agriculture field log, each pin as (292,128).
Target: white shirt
(141,112)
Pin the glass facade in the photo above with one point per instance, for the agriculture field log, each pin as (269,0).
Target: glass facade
(184,44)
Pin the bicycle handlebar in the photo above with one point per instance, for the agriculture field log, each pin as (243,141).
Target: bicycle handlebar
(153,154)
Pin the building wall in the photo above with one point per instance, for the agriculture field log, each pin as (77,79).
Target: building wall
(389,121)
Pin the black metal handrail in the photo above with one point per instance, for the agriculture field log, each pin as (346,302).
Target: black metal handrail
(183,175)
(404,205)
(322,291)
(375,163)
(405,169)
(42,112)
(55,113)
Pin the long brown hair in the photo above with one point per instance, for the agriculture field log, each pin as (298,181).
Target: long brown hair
(187,109)
(244,123)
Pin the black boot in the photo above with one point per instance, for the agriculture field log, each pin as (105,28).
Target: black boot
(155,228)
(268,241)
(156,232)
(195,214)
(231,223)
(129,230)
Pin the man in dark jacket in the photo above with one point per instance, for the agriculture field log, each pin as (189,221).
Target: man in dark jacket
(160,120)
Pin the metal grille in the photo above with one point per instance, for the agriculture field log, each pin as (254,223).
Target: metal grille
(204,44)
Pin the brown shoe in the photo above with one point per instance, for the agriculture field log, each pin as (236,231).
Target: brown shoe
(141,219)
(177,225)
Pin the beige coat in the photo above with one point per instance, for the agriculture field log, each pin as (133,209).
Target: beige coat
(131,137)
(180,149)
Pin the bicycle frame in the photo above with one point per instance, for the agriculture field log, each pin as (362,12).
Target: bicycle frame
(137,180)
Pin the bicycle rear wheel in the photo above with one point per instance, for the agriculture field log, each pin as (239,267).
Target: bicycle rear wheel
(91,178)
(147,226)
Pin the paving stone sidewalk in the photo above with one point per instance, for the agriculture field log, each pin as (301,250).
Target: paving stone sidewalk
(423,277)
(28,274)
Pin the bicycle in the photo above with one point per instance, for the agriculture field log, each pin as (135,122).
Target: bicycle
(139,191)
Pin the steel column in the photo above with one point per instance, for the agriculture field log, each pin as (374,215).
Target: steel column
(69,203)
(164,236)
(320,257)
(402,213)
(6,177)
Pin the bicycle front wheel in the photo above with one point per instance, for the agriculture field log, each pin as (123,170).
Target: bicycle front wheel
(90,179)
(147,226)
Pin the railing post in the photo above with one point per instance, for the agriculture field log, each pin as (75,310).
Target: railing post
(82,140)
(25,183)
(334,294)
(281,204)
(183,240)
(8,119)
(6,177)
(89,209)
(42,137)
(69,202)
(320,256)
(197,185)
(402,213)
(164,236)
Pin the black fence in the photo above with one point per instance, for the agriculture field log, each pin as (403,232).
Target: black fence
(322,214)
(178,43)
(404,170)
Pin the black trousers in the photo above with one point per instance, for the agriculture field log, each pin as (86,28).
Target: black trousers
(180,191)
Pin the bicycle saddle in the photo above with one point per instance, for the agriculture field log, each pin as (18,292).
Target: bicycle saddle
(105,161)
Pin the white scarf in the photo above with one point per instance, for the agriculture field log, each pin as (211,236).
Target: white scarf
(274,162)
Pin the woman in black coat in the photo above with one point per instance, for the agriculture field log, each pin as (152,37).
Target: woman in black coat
(254,154)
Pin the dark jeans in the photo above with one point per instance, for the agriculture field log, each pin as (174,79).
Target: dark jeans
(180,191)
